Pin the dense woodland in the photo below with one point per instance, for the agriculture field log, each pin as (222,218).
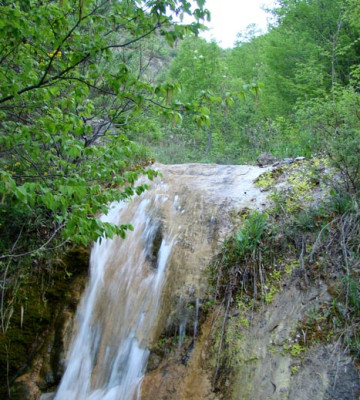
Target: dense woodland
(92,91)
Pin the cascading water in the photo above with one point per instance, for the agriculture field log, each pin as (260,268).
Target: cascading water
(196,320)
(177,226)
(109,355)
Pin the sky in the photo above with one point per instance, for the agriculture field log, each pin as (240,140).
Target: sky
(229,17)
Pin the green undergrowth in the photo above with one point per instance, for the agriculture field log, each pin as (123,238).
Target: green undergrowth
(310,234)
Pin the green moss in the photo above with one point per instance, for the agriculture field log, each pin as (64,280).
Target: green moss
(270,292)
(294,369)
(288,268)
(250,359)
(272,349)
(294,348)
(265,181)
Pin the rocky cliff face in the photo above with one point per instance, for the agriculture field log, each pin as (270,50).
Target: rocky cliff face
(258,359)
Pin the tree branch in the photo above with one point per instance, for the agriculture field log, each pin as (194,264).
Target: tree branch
(41,248)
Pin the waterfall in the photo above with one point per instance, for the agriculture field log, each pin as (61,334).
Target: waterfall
(108,357)
(177,227)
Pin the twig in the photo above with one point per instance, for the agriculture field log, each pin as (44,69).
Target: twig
(318,239)
(301,258)
(42,247)
(345,256)
(3,328)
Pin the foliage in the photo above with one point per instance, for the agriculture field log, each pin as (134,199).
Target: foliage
(85,84)
(201,70)
(269,295)
(236,271)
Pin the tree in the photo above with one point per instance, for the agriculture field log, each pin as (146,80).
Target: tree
(69,84)
(311,50)
(201,69)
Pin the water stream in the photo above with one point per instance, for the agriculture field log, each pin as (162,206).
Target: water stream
(109,355)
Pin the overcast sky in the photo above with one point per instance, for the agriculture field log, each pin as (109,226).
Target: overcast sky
(229,17)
